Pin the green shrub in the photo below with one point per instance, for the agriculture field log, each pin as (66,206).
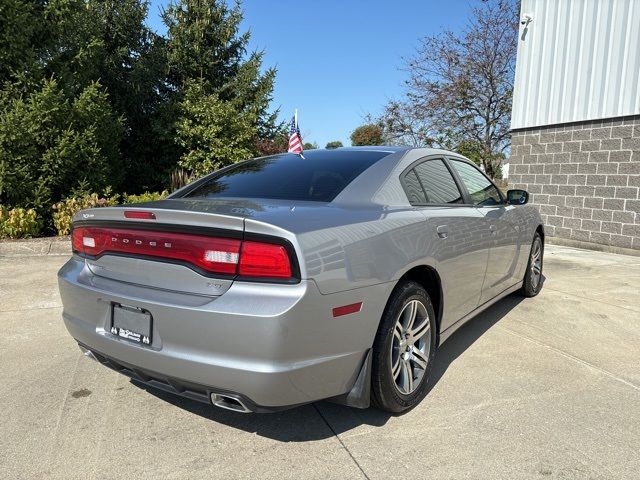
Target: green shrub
(144,197)
(18,223)
(66,209)
(49,141)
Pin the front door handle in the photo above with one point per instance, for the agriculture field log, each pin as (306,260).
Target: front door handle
(443,231)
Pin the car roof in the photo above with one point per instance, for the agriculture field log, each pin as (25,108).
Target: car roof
(371,148)
(422,151)
(380,183)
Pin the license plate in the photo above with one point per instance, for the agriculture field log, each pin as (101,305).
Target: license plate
(131,323)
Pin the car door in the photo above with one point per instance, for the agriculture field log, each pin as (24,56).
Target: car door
(459,243)
(501,221)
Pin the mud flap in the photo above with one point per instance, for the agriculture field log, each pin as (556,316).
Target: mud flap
(360,394)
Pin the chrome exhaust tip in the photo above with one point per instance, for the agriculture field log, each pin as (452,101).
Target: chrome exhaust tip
(229,403)
(88,353)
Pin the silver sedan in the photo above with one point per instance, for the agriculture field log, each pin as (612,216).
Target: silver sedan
(293,278)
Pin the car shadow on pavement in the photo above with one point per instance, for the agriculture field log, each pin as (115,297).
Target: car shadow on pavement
(323,419)
(467,334)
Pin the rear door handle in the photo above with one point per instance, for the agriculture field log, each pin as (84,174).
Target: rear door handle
(443,231)
(493,229)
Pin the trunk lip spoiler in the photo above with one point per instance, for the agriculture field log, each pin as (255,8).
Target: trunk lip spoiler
(166,227)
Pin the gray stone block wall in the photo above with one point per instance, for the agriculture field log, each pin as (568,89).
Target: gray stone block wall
(584,178)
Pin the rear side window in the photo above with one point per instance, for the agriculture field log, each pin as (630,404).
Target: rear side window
(438,183)
(414,189)
(481,190)
(319,176)
(430,182)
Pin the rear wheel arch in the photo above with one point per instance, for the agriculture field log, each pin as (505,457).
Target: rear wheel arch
(402,354)
(429,279)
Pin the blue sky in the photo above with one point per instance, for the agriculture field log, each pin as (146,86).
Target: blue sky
(338,60)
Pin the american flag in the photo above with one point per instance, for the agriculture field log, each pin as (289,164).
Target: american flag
(295,139)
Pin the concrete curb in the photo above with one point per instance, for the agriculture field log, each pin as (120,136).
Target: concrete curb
(35,247)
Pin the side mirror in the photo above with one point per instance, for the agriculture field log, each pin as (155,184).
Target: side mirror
(517,197)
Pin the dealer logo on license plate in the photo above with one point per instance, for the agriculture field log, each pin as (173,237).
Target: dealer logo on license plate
(131,323)
(129,335)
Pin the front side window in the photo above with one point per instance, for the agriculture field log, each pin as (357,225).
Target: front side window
(481,190)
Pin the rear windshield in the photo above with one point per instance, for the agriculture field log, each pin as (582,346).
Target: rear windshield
(320,176)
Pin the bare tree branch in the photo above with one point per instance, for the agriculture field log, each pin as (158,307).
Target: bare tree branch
(460,85)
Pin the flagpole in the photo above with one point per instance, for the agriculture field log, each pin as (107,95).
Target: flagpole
(296,117)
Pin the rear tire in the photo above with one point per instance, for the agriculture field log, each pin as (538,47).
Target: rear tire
(404,349)
(532,283)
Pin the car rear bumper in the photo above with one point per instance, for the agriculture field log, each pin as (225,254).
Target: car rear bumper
(177,386)
(271,345)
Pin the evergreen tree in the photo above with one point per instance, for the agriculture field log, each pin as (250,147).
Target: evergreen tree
(22,36)
(89,92)
(50,144)
(207,54)
(108,41)
(211,131)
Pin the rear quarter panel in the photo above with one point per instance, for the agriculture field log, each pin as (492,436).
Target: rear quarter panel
(376,247)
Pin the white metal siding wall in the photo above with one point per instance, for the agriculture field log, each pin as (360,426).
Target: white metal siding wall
(577,60)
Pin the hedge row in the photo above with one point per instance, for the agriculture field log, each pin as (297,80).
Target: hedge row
(24,223)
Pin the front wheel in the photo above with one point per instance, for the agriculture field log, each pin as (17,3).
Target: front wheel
(404,349)
(532,283)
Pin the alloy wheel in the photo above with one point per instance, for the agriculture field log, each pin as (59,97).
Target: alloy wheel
(410,347)
(536,262)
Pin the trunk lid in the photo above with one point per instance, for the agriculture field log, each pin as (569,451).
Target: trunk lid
(161,273)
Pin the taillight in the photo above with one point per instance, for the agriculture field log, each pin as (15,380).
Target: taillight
(264,260)
(215,255)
